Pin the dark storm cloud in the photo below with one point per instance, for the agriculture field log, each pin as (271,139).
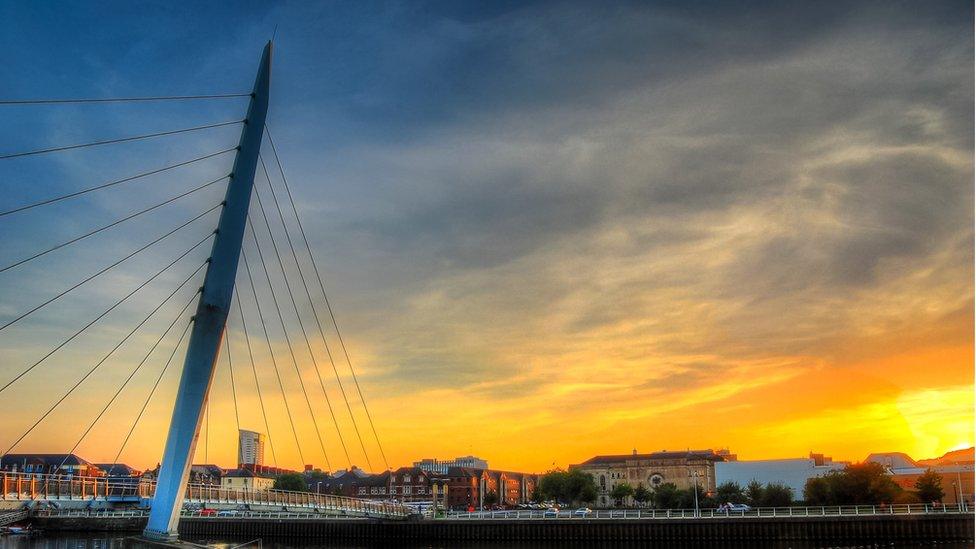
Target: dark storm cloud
(824,148)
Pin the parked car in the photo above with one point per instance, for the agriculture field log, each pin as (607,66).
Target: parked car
(583,512)
(551,512)
(208,512)
(733,507)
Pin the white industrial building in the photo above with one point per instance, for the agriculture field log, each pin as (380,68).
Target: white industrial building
(794,472)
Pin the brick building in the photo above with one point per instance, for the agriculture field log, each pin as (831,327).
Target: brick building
(684,469)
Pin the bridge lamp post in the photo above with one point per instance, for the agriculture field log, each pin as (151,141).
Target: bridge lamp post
(318,487)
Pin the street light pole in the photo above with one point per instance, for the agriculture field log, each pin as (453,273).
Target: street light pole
(695,474)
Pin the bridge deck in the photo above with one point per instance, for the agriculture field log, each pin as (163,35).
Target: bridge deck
(27,488)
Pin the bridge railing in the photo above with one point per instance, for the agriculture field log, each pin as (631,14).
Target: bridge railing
(760,512)
(35,486)
(207,493)
(31,486)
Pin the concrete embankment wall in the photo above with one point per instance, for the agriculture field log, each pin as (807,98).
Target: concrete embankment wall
(840,529)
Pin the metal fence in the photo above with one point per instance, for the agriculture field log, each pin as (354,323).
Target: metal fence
(759,512)
(198,513)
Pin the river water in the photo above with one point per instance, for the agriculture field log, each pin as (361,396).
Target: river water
(111,541)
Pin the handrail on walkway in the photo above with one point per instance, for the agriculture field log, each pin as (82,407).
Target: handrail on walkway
(35,486)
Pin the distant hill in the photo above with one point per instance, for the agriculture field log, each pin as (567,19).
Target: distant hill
(966,456)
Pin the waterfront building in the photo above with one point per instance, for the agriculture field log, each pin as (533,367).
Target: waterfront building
(408,484)
(791,472)
(684,469)
(244,479)
(265,470)
(65,464)
(434,465)
(460,488)
(956,469)
(207,473)
(118,470)
(250,447)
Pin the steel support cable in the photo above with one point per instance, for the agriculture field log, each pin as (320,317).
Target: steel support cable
(120,99)
(55,298)
(104,358)
(291,351)
(118,140)
(113,183)
(114,223)
(128,379)
(233,389)
(152,391)
(103,313)
(301,324)
(274,362)
(254,370)
(325,294)
(308,294)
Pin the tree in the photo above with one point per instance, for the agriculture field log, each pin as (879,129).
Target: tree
(552,485)
(777,495)
(642,495)
(621,492)
(687,498)
(294,482)
(816,491)
(568,487)
(667,496)
(864,484)
(730,492)
(536,494)
(929,487)
(860,484)
(491,497)
(754,493)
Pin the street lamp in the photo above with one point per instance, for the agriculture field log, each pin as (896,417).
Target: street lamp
(962,502)
(318,486)
(695,474)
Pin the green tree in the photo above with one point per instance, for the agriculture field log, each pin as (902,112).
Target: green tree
(730,492)
(864,484)
(491,497)
(552,485)
(642,495)
(536,494)
(667,496)
(621,492)
(816,491)
(568,487)
(754,493)
(294,482)
(777,494)
(860,484)
(929,487)
(687,498)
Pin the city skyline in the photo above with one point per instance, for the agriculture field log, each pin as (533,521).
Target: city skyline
(673,230)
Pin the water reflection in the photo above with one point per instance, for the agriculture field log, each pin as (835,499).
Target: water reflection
(115,540)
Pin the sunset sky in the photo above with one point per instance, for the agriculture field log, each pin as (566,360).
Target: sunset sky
(548,230)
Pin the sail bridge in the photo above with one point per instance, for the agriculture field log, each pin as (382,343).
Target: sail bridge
(199,302)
